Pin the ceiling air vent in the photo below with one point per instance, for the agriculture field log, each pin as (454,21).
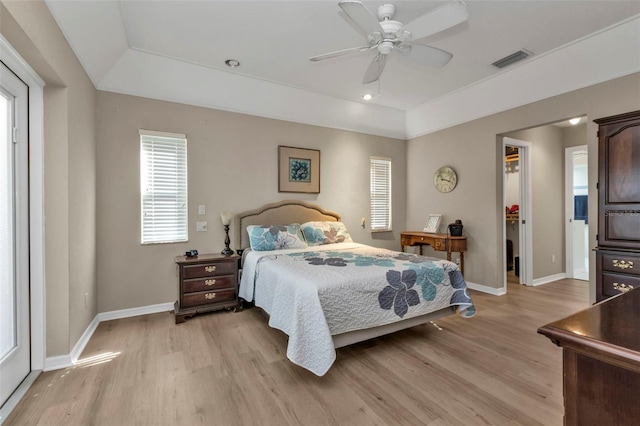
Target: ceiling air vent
(511,59)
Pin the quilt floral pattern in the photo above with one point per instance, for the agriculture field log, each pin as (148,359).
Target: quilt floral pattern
(409,277)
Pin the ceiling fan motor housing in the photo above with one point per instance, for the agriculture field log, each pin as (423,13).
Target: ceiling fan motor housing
(386,11)
(390,36)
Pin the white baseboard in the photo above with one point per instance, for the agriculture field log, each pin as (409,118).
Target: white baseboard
(134,312)
(486,289)
(69,360)
(548,279)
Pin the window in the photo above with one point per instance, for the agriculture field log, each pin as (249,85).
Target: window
(163,187)
(380,194)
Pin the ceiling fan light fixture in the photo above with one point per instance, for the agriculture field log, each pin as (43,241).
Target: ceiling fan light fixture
(385,47)
(232,63)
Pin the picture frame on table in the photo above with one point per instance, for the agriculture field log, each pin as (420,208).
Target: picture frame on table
(433,223)
(298,170)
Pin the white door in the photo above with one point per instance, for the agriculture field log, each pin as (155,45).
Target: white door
(15,349)
(576,220)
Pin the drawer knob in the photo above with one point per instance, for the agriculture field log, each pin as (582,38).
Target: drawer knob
(623,288)
(210,268)
(209,282)
(210,296)
(622,264)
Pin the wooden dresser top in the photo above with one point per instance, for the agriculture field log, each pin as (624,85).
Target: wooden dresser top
(608,329)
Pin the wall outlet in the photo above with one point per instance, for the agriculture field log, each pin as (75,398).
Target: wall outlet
(86,300)
(202,209)
(201,226)
(553,258)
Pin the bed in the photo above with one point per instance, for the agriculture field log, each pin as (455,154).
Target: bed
(326,291)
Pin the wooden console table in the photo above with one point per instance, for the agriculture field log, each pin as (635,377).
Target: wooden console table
(439,242)
(601,362)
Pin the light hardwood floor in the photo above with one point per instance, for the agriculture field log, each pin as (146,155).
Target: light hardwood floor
(231,369)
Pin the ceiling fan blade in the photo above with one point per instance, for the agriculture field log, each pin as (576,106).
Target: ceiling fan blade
(440,19)
(426,55)
(375,69)
(361,16)
(342,52)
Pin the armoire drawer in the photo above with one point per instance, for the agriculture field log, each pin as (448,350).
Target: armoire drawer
(621,263)
(613,284)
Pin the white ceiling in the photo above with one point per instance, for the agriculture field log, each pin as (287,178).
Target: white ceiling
(175,50)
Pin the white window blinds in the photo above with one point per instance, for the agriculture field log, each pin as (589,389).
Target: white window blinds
(163,186)
(380,194)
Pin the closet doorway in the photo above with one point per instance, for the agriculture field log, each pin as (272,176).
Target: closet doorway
(576,212)
(518,241)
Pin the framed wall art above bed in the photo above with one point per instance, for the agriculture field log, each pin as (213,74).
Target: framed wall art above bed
(298,170)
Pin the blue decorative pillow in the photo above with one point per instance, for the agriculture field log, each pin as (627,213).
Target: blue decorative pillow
(275,237)
(319,233)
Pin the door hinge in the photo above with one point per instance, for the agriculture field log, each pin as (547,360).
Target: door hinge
(15,135)
(524,221)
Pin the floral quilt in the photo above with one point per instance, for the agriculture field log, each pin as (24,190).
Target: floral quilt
(314,293)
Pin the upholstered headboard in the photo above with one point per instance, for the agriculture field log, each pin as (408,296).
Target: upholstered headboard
(280,213)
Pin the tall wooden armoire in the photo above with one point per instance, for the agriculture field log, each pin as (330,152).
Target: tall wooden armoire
(618,250)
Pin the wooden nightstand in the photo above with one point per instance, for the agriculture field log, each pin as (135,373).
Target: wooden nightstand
(208,282)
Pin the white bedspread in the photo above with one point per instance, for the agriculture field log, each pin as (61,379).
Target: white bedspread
(314,293)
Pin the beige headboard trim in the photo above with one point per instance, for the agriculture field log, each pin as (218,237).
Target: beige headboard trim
(281,213)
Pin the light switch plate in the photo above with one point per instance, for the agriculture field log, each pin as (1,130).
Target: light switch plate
(202,209)
(202,226)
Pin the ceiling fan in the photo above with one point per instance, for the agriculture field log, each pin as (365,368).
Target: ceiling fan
(386,35)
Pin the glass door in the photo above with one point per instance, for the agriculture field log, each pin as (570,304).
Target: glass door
(15,349)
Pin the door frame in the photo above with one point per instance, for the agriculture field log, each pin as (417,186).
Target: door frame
(21,68)
(525,221)
(568,204)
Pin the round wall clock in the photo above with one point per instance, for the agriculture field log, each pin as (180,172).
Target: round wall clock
(445,179)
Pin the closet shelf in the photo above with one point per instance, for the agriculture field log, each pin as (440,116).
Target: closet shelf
(512,217)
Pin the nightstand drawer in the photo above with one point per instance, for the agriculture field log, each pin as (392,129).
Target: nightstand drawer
(208,283)
(207,297)
(613,284)
(621,263)
(209,269)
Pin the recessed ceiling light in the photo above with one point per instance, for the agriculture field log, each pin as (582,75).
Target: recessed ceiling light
(574,121)
(232,63)
(367,97)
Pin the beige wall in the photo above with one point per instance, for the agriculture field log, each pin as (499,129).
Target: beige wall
(474,149)
(69,171)
(575,135)
(232,163)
